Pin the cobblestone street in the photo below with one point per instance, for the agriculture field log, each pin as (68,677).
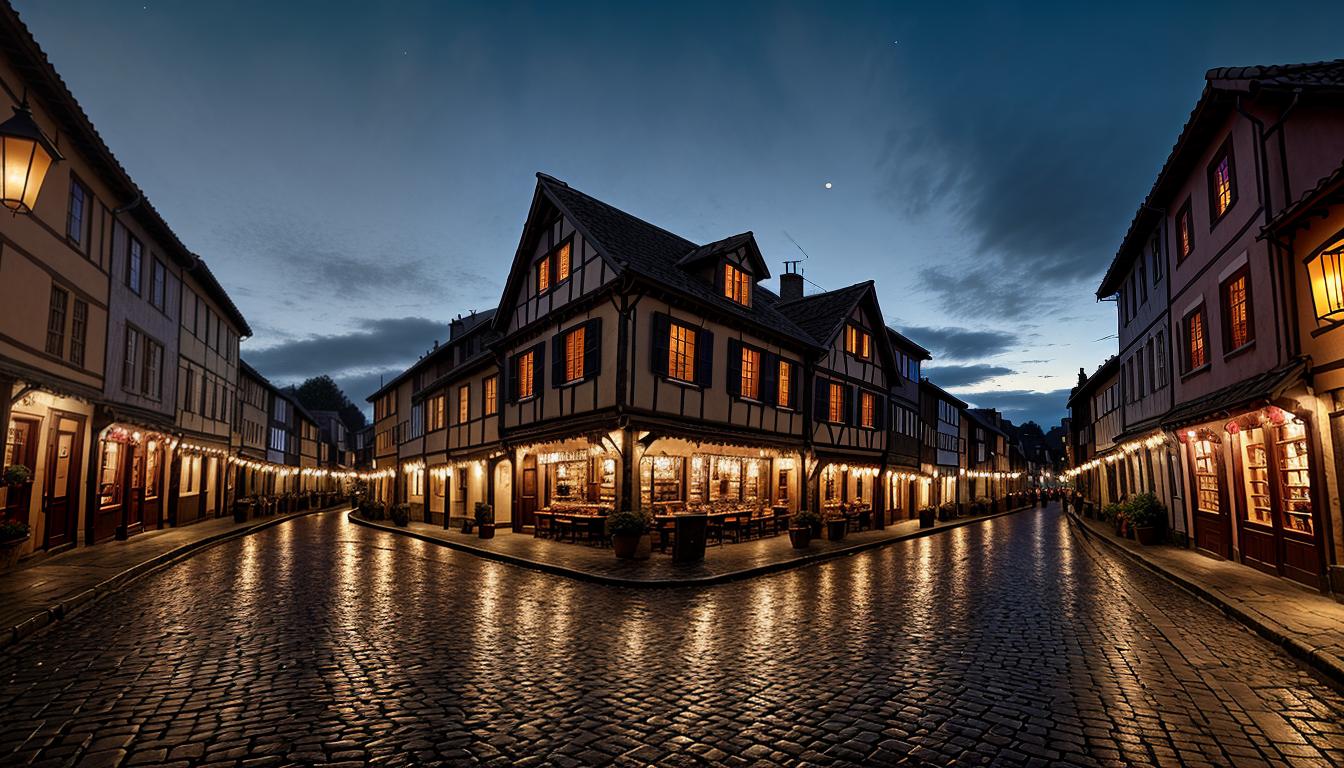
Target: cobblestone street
(1009,641)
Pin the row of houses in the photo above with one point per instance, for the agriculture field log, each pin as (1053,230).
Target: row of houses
(627,367)
(126,404)
(1226,392)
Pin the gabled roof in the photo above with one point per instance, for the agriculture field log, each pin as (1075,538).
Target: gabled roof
(822,315)
(292,395)
(55,98)
(901,340)
(1107,370)
(1328,191)
(746,240)
(1221,87)
(943,394)
(982,417)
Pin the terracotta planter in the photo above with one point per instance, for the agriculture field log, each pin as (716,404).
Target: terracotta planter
(625,545)
(9,552)
(1147,535)
(486,530)
(800,538)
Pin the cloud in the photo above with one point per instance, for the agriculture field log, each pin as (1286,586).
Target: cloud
(379,345)
(1019,406)
(358,386)
(961,343)
(948,376)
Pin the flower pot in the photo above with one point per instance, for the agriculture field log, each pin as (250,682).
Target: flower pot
(800,538)
(835,529)
(242,512)
(486,531)
(624,545)
(1147,535)
(9,552)
(468,525)
(926,518)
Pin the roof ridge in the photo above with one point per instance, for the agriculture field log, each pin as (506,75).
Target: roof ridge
(1266,70)
(864,284)
(548,179)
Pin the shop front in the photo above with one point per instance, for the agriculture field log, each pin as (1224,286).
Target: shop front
(47,435)
(1256,484)
(132,479)
(909,491)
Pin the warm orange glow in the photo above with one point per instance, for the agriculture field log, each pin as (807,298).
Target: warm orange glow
(526,369)
(1326,273)
(491,395)
(574,355)
(857,342)
(1195,333)
(866,408)
(737,285)
(463,404)
(1222,187)
(544,275)
(1238,322)
(681,353)
(25,157)
(836,411)
(751,373)
(562,263)
(785,385)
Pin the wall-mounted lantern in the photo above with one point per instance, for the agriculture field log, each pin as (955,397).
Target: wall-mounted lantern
(1325,270)
(25,157)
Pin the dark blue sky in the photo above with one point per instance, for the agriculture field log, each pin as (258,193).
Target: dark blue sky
(357,174)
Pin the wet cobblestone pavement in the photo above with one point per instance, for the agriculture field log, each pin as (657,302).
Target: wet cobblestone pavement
(1009,642)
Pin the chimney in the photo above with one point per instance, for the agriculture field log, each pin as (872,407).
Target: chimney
(791,282)
(1082,376)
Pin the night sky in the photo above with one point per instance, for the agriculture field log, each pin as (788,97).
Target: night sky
(358,174)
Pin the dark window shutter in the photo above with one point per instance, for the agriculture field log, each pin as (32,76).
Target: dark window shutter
(821,400)
(770,378)
(849,404)
(734,367)
(704,358)
(511,379)
(795,384)
(661,326)
(592,347)
(879,411)
(538,370)
(558,358)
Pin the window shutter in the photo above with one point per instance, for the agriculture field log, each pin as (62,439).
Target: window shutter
(735,367)
(558,359)
(538,370)
(879,412)
(704,354)
(511,379)
(848,407)
(661,326)
(821,400)
(770,378)
(592,347)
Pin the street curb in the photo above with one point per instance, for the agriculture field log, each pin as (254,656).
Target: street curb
(82,601)
(697,581)
(1324,662)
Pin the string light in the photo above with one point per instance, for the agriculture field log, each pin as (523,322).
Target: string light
(1117,453)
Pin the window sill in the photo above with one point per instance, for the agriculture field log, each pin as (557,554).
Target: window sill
(682,382)
(1240,350)
(1195,372)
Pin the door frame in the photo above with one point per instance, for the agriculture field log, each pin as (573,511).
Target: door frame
(1223,521)
(29,459)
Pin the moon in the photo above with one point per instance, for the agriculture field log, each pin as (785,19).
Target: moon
(828,185)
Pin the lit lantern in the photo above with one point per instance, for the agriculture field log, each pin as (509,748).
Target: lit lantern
(25,157)
(1326,273)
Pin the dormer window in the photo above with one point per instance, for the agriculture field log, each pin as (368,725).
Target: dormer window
(858,342)
(737,285)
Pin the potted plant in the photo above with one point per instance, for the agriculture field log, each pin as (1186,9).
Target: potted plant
(401,515)
(242,509)
(485,520)
(927,516)
(1147,517)
(12,536)
(981,505)
(800,528)
(626,529)
(16,474)
(947,511)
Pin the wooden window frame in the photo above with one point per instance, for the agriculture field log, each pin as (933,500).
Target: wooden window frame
(464,404)
(1224,153)
(737,283)
(549,275)
(784,384)
(525,387)
(689,344)
(135,266)
(490,395)
(572,367)
(835,412)
(867,409)
(751,373)
(862,342)
(1187,357)
(79,242)
(57,320)
(1225,306)
(1183,249)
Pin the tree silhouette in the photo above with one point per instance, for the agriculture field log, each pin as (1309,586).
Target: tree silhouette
(320,393)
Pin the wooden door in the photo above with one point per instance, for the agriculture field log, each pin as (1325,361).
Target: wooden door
(1213,532)
(60,498)
(135,490)
(151,497)
(1297,503)
(1254,501)
(527,494)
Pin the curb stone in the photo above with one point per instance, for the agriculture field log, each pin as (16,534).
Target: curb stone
(81,601)
(695,581)
(1322,661)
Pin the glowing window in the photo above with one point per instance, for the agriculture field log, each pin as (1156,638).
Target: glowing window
(1196,350)
(857,342)
(785,384)
(574,355)
(681,353)
(526,369)
(562,263)
(544,275)
(836,407)
(751,373)
(491,394)
(867,405)
(464,403)
(1237,301)
(737,285)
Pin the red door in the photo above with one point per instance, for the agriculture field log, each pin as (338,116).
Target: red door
(60,498)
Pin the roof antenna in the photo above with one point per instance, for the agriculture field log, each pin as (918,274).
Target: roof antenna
(796,268)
